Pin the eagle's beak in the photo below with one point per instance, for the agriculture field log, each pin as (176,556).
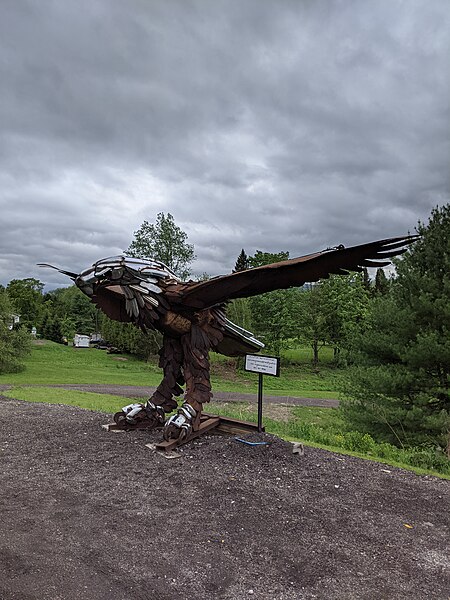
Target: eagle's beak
(68,273)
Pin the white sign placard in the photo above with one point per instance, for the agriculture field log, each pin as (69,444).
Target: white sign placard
(268,365)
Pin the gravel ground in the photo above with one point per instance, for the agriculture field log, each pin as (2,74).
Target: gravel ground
(92,515)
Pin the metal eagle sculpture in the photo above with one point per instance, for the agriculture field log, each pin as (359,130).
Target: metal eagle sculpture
(191,317)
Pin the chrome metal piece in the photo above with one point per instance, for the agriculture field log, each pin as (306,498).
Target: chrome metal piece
(91,279)
(109,265)
(131,410)
(140,266)
(151,287)
(129,407)
(190,410)
(157,273)
(182,421)
(243,333)
(156,412)
(117,273)
(102,272)
(152,300)
(178,421)
(140,289)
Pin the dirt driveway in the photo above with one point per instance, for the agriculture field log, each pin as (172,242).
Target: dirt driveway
(92,515)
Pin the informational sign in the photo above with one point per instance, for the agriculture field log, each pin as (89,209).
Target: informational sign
(263,365)
(266,365)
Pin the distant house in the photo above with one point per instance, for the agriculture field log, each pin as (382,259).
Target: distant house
(13,320)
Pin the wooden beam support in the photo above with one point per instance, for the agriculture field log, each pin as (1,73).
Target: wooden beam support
(205,425)
(229,425)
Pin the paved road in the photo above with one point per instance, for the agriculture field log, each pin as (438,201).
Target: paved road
(130,391)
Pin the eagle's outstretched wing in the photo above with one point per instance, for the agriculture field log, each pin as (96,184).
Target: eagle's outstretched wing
(288,273)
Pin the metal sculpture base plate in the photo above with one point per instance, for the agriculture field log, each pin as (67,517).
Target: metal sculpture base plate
(207,423)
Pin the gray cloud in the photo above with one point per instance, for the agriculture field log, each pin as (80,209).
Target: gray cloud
(265,125)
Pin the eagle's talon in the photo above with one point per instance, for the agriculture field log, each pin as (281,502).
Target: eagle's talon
(155,412)
(131,412)
(179,426)
(143,415)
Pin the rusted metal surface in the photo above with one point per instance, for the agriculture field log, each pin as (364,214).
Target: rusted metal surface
(191,316)
(143,422)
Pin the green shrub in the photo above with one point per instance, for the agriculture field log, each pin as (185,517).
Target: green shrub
(363,443)
(359,442)
(426,458)
(14,346)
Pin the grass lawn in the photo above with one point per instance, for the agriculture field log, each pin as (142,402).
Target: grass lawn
(52,363)
(97,402)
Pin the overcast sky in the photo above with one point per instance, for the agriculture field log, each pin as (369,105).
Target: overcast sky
(259,124)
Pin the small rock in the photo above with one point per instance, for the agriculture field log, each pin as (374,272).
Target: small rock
(298,448)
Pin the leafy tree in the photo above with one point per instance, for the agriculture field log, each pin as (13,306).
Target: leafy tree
(239,311)
(14,344)
(242,262)
(345,302)
(366,280)
(130,339)
(311,326)
(73,310)
(266,258)
(382,283)
(330,310)
(274,318)
(202,277)
(273,314)
(51,328)
(401,393)
(27,299)
(166,242)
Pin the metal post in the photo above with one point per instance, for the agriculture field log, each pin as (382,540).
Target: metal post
(260,396)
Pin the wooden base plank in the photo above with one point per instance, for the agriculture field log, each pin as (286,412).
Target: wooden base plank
(112,427)
(229,425)
(208,422)
(206,425)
